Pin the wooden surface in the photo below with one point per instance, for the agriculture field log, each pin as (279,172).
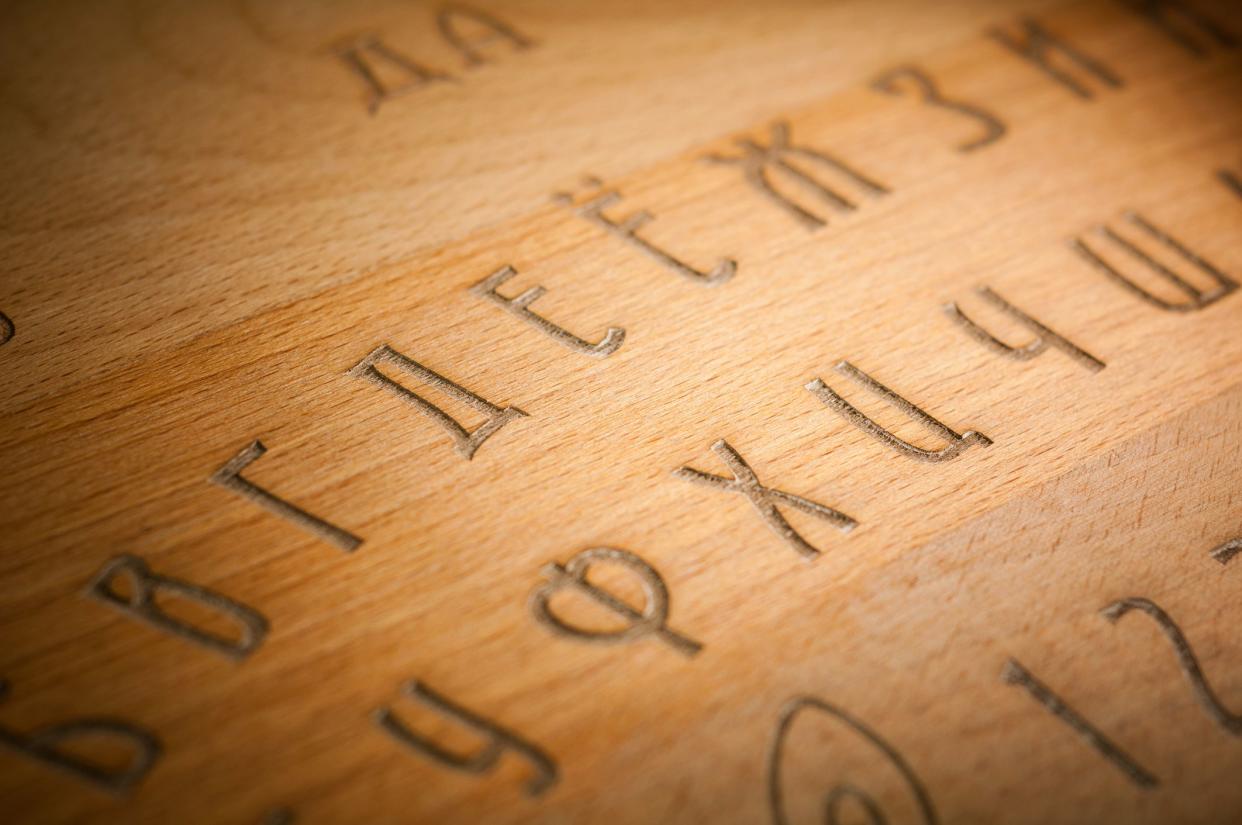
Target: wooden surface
(209,222)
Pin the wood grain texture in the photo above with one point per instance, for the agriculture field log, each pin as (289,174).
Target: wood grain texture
(205,231)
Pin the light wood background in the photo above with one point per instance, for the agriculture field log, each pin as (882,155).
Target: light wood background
(203,229)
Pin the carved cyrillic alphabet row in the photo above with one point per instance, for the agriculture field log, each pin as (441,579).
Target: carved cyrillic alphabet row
(46,745)
(370,59)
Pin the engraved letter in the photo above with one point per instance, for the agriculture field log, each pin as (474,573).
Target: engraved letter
(840,792)
(142,604)
(890,83)
(520,306)
(1039,46)
(627,230)
(766,499)
(957,443)
(448,18)
(1231,181)
(1225,552)
(650,620)
(481,761)
(1184,25)
(1044,337)
(354,55)
(1231,722)
(6,329)
(229,476)
(758,160)
(44,744)
(1196,297)
(1015,674)
(464,441)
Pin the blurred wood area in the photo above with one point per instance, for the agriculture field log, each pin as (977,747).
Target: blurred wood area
(212,212)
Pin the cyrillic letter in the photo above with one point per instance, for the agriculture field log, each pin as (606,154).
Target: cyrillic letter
(574,574)
(1044,337)
(627,228)
(1197,298)
(451,15)
(481,761)
(229,477)
(520,306)
(141,603)
(1040,47)
(1184,25)
(1015,674)
(890,83)
(464,441)
(354,56)
(957,443)
(757,161)
(766,499)
(44,745)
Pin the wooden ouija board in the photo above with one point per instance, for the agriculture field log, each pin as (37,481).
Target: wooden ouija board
(621,412)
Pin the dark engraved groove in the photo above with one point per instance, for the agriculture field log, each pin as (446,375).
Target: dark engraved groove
(446,20)
(230,478)
(358,56)
(776,801)
(993,128)
(592,209)
(141,604)
(758,161)
(1184,25)
(1044,336)
(650,620)
(1225,552)
(43,745)
(1186,659)
(466,442)
(765,499)
(957,443)
(1037,45)
(1015,674)
(1197,298)
(519,306)
(481,761)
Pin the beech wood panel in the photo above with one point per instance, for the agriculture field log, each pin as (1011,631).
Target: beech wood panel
(206,232)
